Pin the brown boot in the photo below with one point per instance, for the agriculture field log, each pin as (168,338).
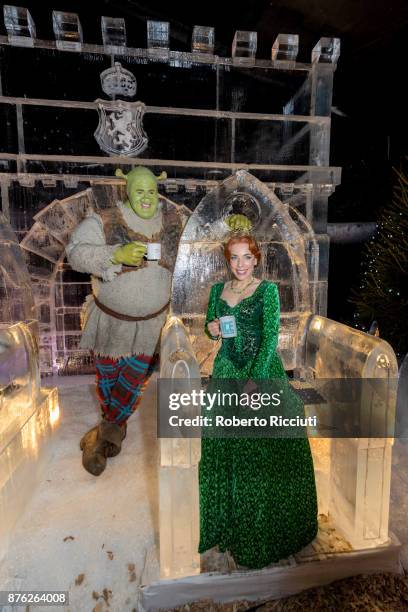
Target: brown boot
(113,434)
(100,442)
(94,452)
(112,449)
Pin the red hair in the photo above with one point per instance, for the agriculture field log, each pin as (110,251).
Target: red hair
(251,242)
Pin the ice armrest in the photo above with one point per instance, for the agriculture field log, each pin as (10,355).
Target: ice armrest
(176,353)
(334,350)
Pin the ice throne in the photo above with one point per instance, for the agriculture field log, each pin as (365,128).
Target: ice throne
(352,474)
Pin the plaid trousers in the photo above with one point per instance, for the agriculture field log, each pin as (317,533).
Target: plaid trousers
(120,384)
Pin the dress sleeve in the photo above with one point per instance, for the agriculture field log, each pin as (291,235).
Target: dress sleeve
(270,333)
(211,310)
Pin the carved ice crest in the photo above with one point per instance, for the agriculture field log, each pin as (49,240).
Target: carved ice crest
(120,130)
(117,81)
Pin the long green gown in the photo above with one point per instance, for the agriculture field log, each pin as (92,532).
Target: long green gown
(257,495)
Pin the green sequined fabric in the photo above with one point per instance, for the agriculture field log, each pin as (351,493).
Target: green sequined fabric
(257,495)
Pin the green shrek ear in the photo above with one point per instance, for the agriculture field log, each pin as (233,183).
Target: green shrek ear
(137,173)
(119,174)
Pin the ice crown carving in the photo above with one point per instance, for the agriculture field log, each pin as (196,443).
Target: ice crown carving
(117,81)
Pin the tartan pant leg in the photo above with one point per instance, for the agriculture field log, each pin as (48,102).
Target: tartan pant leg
(107,372)
(127,392)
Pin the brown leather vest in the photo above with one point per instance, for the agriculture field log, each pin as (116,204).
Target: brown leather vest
(118,232)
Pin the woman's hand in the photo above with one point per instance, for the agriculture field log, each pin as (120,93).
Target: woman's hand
(214,328)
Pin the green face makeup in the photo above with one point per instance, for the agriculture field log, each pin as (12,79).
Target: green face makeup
(143,195)
(141,188)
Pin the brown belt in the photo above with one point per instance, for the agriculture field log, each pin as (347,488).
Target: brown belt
(122,317)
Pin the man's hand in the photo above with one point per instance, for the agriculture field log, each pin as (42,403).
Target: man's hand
(214,328)
(239,223)
(129,254)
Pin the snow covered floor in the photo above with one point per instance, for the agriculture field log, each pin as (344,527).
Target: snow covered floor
(90,536)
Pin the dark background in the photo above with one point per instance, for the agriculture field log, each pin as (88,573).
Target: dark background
(368,138)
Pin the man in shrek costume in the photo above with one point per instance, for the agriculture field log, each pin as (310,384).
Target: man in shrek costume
(123,317)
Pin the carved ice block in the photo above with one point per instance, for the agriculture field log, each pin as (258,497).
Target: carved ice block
(19,377)
(179,509)
(285,49)
(327,50)
(113,32)
(41,242)
(158,34)
(67,30)
(202,40)
(360,468)
(27,418)
(22,461)
(19,25)
(244,46)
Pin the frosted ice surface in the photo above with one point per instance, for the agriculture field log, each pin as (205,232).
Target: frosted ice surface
(19,25)
(327,50)
(113,31)
(202,40)
(40,269)
(67,30)
(41,290)
(117,81)
(105,195)
(19,378)
(79,204)
(41,242)
(360,467)
(200,261)
(14,363)
(56,218)
(16,298)
(158,34)
(285,48)
(244,45)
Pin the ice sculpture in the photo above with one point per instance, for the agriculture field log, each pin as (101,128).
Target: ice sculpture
(178,466)
(19,25)
(27,413)
(244,46)
(117,81)
(113,33)
(67,30)
(120,129)
(19,377)
(28,416)
(356,486)
(16,296)
(202,40)
(158,34)
(353,475)
(285,49)
(290,258)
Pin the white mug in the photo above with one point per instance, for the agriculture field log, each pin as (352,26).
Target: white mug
(153,250)
(228,326)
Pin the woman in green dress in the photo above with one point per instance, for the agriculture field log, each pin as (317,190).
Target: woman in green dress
(257,495)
